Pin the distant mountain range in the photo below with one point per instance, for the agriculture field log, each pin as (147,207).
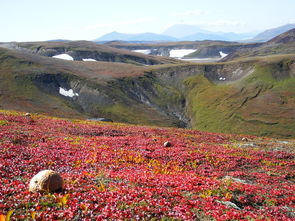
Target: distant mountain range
(193,34)
(271,33)
(59,40)
(135,37)
(183,32)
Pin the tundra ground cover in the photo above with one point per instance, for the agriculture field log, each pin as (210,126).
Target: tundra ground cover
(117,171)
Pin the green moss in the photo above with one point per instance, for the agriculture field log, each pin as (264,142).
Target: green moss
(260,104)
(261,76)
(168,95)
(3,122)
(203,100)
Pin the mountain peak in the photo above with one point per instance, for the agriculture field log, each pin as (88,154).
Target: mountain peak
(183,30)
(273,32)
(147,36)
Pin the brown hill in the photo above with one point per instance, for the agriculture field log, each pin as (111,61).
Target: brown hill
(287,37)
(282,44)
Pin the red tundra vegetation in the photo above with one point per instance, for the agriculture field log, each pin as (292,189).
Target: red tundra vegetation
(116,171)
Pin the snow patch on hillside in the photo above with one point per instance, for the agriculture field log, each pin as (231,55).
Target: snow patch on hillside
(88,59)
(179,53)
(64,57)
(67,93)
(143,51)
(222,54)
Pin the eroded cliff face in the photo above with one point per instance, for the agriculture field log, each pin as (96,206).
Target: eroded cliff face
(161,93)
(214,50)
(138,100)
(174,81)
(204,49)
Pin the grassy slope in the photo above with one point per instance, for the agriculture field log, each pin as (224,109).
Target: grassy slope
(19,93)
(261,103)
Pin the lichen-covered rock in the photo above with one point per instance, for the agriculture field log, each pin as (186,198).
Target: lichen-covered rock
(46,181)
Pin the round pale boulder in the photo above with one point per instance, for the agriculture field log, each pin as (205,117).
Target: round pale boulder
(46,181)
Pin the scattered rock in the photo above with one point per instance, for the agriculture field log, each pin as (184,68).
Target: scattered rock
(29,118)
(247,145)
(167,144)
(290,211)
(229,204)
(28,115)
(46,181)
(245,139)
(237,180)
(101,119)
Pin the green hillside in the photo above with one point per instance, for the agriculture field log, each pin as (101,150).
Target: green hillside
(261,103)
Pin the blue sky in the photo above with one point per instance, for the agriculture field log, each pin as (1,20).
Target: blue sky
(37,20)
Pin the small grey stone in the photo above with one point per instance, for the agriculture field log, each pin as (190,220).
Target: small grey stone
(167,144)
(229,204)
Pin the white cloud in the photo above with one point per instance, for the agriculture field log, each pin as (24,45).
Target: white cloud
(290,21)
(225,23)
(190,13)
(120,23)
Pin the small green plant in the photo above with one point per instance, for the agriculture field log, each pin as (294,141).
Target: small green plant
(3,122)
